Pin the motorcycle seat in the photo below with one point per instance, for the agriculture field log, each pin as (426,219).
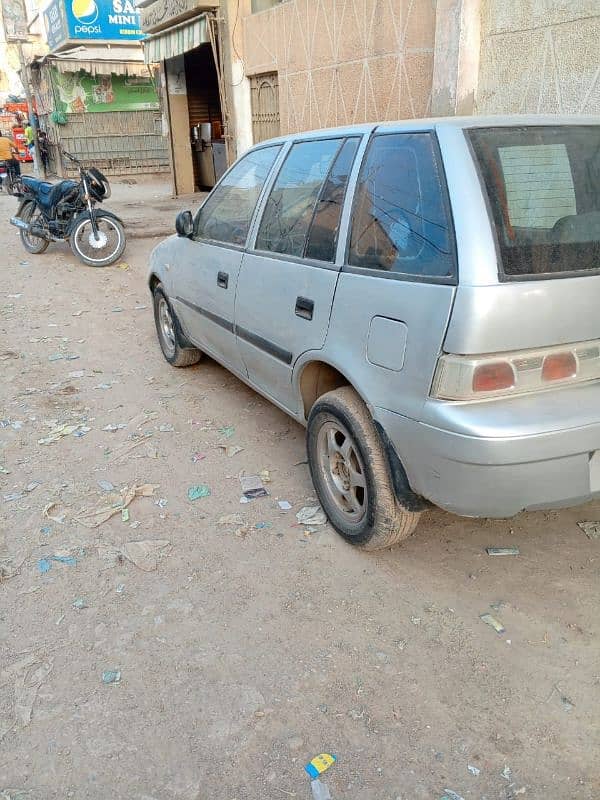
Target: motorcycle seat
(48,194)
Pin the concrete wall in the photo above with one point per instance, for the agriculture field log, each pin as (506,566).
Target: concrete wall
(539,56)
(235,11)
(344,61)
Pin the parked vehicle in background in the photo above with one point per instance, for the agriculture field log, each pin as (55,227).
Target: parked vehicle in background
(53,212)
(10,179)
(423,296)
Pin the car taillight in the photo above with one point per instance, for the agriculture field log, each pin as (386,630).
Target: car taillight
(493,377)
(519,372)
(559,366)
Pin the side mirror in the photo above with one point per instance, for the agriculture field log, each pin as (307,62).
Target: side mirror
(184,224)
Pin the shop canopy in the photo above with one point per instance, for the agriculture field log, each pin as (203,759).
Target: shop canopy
(177,40)
(98,61)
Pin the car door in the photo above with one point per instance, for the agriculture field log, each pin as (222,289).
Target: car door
(207,269)
(398,281)
(287,280)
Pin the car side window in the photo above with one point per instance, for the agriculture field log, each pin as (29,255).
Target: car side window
(293,199)
(323,235)
(227,213)
(401,222)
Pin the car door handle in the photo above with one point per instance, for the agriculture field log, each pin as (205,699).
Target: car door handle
(223,280)
(304,307)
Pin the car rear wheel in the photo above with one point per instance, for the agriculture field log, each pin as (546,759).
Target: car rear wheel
(169,337)
(351,475)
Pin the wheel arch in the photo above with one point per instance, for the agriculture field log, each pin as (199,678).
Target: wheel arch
(153,281)
(316,377)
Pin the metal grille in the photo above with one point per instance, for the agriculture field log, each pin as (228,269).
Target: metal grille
(264,95)
(117,142)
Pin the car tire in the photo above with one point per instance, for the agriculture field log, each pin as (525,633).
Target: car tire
(169,333)
(351,475)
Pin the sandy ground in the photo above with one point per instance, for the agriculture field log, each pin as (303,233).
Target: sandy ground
(247,650)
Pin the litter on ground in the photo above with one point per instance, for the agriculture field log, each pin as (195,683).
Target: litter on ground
(591,529)
(493,623)
(252,487)
(319,764)
(59,432)
(196,492)
(27,685)
(319,790)
(311,515)
(144,554)
(93,518)
(111,676)
(502,551)
(231,449)
(45,564)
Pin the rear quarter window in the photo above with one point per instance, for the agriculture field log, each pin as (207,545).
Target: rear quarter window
(543,189)
(401,221)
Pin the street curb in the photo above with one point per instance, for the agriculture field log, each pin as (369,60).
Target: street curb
(148,233)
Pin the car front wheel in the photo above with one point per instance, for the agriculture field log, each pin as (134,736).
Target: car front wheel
(169,337)
(351,475)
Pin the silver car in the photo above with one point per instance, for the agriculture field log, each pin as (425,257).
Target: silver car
(423,296)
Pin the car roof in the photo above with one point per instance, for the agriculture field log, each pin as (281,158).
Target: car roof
(434,123)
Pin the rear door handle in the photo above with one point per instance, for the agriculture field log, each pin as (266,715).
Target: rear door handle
(223,280)
(304,307)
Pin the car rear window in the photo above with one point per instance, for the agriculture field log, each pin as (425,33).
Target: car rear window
(543,186)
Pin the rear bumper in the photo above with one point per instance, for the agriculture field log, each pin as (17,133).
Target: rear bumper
(495,476)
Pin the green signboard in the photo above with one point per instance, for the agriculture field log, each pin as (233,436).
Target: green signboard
(78,92)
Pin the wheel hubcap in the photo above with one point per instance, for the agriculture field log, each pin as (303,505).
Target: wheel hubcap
(343,470)
(166,325)
(98,243)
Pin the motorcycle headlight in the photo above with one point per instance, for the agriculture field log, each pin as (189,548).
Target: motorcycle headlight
(98,184)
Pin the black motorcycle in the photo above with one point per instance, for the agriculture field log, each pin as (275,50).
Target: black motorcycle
(66,211)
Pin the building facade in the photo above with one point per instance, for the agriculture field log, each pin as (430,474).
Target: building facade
(300,64)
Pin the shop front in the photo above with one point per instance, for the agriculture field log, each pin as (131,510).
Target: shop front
(185,38)
(96,97)
(103,111)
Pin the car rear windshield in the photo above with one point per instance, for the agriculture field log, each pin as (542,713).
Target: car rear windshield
(543,185)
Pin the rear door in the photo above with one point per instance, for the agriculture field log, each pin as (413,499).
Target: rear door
(287,281)
(206,276)
(397,285)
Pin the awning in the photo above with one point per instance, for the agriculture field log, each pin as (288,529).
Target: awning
(176,40)
(96,67)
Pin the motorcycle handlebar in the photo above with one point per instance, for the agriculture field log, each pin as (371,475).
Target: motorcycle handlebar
(72,158)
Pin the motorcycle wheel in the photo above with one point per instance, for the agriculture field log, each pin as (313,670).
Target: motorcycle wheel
(33,244)
(99,252)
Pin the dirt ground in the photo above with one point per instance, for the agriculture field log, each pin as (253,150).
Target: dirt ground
(248,650)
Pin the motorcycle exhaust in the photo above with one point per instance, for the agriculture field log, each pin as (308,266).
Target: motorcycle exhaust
(34,230)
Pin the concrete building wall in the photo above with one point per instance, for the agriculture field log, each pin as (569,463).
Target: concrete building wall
(539,56)
(344,61)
